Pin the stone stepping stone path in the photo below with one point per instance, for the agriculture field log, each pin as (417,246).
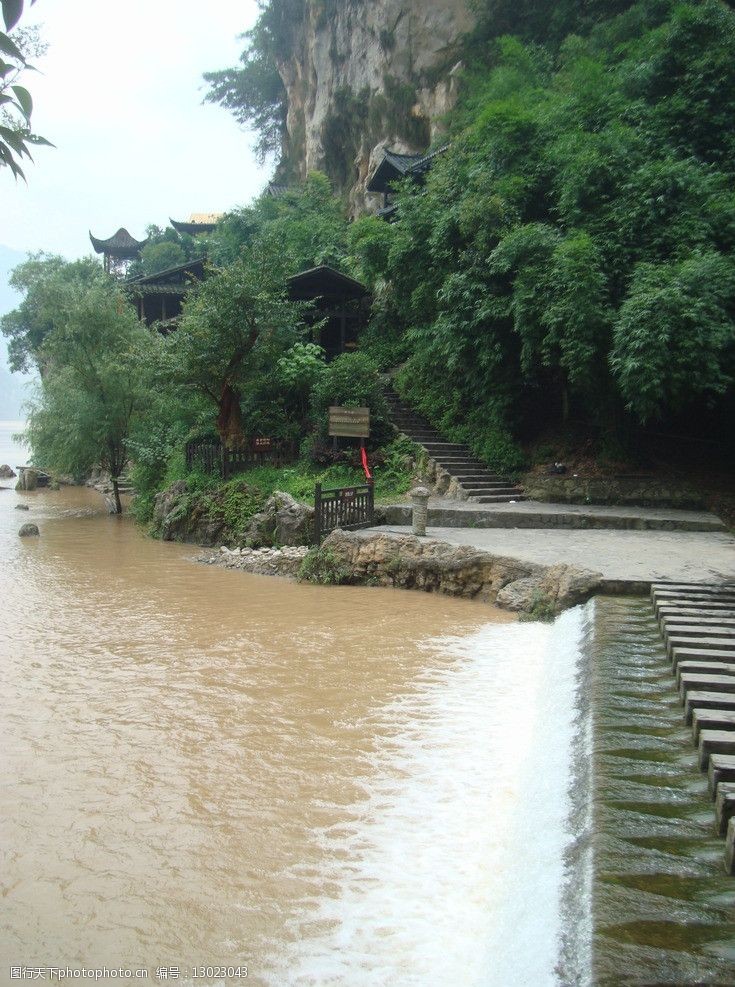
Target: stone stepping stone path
(697,623)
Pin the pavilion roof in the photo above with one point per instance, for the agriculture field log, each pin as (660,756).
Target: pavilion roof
(174,281)
(324,282)
(198,222)
(395,166)
(275,189)
(120,244)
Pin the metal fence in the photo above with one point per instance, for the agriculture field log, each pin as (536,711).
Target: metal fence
(213,457)
(348,508)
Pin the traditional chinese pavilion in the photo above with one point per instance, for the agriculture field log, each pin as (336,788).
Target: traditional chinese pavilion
(199,222)
(118,251)
(159,297)
(341,300)
(392,169)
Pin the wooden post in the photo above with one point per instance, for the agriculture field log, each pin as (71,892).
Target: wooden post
(224,463)
(371,500)
(318,513)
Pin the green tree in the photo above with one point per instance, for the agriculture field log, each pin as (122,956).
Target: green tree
(254,92)
(156,257)
(44,280)
(236,324)
(97,356)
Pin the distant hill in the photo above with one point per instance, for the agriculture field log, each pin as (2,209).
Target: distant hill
(12,386)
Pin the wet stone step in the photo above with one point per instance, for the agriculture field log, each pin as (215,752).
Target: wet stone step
(724,806)
(705,683)
(703,668)
(692,610)
(691,599)
(699,649)
(715,742)
(712,719)
(707,700)
(687,622)
(679,654)
(698,631)
(721,770)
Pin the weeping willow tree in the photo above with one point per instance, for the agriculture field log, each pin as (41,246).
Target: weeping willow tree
(95,387)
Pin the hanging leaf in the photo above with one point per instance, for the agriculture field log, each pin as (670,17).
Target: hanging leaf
(12,9)
(24,99)
(9,47)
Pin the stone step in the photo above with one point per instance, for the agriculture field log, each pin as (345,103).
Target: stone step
(721,769)
(707,608)
(698,631)
(504,499)
(680,653)
(702,668)
(700,623)
(705,683)
(724,806)
(693,613)
(719,645)
(692,596)
(489,488)
(707,700)
(665,585)
(712,719)
(480,475)
(714,742)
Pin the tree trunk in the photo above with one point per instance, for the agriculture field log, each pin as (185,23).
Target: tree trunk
(116,495)
(229,420)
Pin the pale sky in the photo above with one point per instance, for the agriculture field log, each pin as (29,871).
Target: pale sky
(121,98)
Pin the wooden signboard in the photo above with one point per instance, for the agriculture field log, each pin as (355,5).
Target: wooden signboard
(351,422)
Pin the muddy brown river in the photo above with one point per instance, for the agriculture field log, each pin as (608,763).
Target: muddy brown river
(206,772)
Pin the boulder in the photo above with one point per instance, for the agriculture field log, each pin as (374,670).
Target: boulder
(28,530)
(28,479)
(283,521)
(6,473)
(21,507)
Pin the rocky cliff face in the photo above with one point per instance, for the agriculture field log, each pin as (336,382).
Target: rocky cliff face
(365,74)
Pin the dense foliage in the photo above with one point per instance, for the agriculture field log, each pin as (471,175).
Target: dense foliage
(572,252)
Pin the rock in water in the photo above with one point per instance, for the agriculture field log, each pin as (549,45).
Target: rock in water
(6,472)
(28,529)
(22,507)
(28,480)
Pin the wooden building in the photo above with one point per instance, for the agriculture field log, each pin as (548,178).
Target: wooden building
(341,300)
(118,251)
(392,169)
(198,223)
(159,297)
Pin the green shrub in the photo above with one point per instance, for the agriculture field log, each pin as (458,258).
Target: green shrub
(321,566)
(352,380)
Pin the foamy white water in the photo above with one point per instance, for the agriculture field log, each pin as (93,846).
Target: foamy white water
(452,872)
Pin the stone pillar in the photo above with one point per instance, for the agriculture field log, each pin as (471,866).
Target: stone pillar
(420,500)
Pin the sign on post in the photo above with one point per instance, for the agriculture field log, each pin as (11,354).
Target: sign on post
(351,422)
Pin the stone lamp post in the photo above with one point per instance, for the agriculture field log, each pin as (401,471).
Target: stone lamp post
(420,501)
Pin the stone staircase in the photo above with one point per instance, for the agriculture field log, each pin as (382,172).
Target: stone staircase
(475,481)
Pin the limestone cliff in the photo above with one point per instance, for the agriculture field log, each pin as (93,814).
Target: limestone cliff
(361,75)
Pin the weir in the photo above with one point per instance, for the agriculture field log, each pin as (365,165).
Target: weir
(663,906)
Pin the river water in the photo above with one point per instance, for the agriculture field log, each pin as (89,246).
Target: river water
(334,786)
(327,785)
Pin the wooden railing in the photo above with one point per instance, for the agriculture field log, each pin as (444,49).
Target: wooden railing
(348,508)
(212,457)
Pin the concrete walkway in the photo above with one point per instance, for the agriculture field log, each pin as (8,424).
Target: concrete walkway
(446,513)
(630,558)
